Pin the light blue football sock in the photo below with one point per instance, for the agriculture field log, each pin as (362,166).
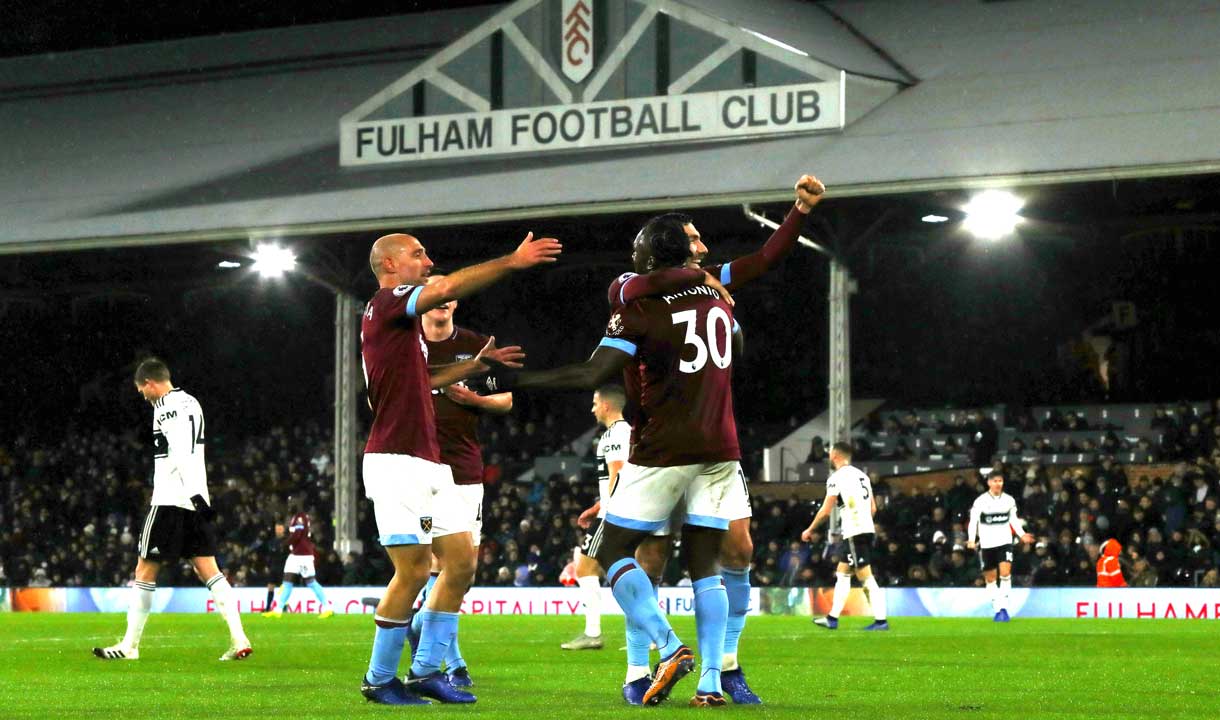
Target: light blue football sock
(737,585)
(635,595)
(388,640)
(453,656)
(435,636)
(711,615)
(417,622)
(318,592)
(637,640)
(285,593)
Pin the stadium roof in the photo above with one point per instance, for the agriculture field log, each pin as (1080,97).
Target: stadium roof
(216,137)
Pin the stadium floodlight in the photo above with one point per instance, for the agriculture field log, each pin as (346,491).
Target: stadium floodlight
(992,214)
(272,261)
(932,218)
(228,264)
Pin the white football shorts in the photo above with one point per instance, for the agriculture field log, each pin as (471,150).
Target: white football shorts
(414,499)
(646,498)
(300,565)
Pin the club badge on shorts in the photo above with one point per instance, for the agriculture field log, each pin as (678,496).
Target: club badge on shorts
(425,524)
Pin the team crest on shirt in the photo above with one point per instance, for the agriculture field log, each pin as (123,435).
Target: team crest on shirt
(462,356)
(425,523)
(402,290)
(616,324)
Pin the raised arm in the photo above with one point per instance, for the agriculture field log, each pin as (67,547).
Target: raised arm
(470,280)
(809,192)
(445,375)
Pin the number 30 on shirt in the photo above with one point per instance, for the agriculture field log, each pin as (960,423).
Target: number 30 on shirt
(705,348)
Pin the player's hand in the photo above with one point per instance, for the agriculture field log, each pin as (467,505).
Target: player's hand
(586,518)
(807,536)
(508,356)
(461,395)
(533,252)
(1027,538)
(970,545)
(809,192)
(714,283)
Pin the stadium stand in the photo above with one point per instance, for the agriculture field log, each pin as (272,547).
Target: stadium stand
(1158,494)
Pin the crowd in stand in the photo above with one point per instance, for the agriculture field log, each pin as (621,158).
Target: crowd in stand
(71,513)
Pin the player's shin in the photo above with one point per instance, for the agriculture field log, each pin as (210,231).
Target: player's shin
(226,605)
(319,593)
(737,587)
(711,615)
(285,594)
(637,652)
(1005,590)
(137,612)
(388,641)
(994,593)
(417,622)
(633,591)
(591,594)
(842,590)
(876,598)
(437,631)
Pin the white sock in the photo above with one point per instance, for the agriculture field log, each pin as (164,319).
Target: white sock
(635,672)
(1005,590)
(842,590)
(137,612)
(226,605)
(591,594)
(876,598)
(995,597)
(728,661)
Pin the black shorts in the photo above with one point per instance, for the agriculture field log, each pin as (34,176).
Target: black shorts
(171,533)
(990,558)
(584,544)
(857,550)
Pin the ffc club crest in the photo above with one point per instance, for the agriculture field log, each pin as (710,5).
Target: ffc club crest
(577,39)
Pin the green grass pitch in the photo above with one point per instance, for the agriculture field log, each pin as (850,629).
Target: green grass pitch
(923,668)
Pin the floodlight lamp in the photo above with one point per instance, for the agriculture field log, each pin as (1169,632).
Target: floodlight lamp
(992,214)
(271,261)
(933,218)
(228,264)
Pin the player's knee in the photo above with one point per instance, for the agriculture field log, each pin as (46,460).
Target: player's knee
(701,550)
(652,554)
(615,543)
(737,552)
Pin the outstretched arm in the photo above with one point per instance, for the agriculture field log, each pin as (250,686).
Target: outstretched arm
(809,192)
(444,375)
(470,280)
(605,363)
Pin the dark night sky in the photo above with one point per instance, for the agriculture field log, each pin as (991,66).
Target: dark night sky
(939,317)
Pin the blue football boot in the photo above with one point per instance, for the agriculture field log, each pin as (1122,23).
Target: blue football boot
(436,686)
(879,625)
(828,622)
(633,692)
(460,678)
(391,693)
(735,686)
(1002,616)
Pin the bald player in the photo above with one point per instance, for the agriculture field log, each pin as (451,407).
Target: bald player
(415,501)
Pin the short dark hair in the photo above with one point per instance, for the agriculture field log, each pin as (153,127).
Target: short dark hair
(151,368)
(614,394)
(667,236)
(842,448)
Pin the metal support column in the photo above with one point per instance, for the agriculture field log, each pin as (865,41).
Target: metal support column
(841,288)
(347,491)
